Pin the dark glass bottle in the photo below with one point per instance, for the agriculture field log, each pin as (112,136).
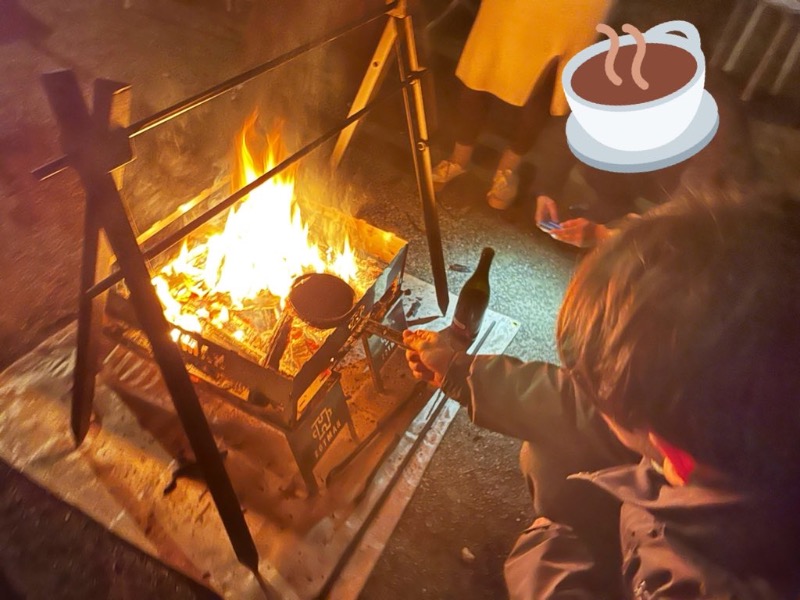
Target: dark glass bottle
(472,301)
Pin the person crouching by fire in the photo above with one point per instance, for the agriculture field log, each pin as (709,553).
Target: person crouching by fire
(663,455)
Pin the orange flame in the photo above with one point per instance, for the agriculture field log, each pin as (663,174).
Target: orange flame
(263,246)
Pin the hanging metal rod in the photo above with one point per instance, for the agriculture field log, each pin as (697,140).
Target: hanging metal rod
(167,114)
(159,247)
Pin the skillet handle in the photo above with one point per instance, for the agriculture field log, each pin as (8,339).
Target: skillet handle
(279,340)
(387,333)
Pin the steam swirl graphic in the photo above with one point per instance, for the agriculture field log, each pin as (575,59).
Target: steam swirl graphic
(611,57)
(641,49)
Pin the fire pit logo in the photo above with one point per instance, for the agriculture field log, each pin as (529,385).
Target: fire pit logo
(324,429)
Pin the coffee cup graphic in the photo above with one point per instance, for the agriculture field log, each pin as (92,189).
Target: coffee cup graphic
(624,124)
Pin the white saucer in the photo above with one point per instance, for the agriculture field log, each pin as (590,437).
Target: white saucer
(699,133)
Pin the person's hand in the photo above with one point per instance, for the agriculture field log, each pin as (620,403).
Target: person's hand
(580,232)
(429,356)
(546,209)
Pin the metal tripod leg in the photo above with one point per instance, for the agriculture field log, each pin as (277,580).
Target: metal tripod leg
(407,60)
(112,108)
(376,72)
(399,33)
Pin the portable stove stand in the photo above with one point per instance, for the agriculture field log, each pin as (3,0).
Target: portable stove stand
(97,145)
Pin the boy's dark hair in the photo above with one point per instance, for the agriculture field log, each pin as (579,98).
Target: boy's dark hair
(687,324)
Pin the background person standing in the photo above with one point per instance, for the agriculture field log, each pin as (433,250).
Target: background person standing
(515,53)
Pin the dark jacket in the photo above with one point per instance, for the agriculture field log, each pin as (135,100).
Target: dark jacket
(612,528)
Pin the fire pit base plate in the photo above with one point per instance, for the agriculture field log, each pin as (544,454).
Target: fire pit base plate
(119,474)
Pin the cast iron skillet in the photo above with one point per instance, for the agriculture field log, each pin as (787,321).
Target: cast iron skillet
(320,300)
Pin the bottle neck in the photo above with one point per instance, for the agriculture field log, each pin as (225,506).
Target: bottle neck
(482,270)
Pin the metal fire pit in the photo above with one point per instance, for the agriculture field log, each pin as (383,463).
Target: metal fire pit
(309,408)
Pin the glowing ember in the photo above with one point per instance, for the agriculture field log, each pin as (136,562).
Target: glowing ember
(263,247)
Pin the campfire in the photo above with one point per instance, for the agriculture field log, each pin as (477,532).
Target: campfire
(230,284)
(224,290)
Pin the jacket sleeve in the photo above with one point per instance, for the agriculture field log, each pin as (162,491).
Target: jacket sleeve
(533,401)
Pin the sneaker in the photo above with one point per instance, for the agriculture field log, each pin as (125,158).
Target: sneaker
(505,185)
(445,172)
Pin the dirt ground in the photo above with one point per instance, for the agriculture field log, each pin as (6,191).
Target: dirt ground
(472,496)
